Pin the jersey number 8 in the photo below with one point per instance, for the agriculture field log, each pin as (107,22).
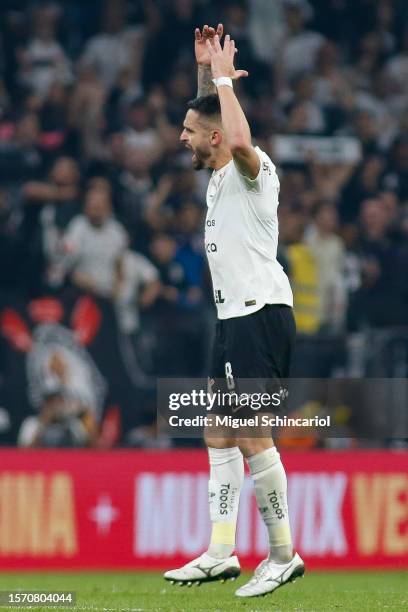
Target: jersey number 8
(229,376)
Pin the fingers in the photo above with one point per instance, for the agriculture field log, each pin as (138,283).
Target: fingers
(210,48)
(217,44)
(209,32)
(240,73)
(229,46)
(231,49)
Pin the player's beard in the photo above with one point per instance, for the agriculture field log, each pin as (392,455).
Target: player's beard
(199,159)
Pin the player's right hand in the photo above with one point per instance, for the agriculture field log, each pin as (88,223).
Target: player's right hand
(200,44)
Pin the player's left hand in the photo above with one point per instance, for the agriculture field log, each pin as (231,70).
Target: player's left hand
(200,43)
(222,59)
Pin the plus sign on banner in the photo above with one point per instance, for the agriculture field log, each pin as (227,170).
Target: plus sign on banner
(104,514)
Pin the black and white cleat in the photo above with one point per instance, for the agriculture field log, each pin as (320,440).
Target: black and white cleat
(205,569)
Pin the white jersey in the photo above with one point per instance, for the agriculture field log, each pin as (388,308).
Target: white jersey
(241,240)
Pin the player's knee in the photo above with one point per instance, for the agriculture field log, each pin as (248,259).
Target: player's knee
(219,441)
(253,446)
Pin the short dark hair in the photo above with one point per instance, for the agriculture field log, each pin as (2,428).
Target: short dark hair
(206,105)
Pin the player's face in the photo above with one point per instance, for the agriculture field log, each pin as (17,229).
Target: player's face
(196,137)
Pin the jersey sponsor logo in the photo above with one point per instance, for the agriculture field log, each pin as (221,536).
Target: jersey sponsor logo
(266,168)
(218,297)
(211,247)
(210,223)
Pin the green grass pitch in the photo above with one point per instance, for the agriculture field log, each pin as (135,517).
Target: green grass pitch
(140,591)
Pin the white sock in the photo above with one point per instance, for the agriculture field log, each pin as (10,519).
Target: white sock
(224,488)
(271,495)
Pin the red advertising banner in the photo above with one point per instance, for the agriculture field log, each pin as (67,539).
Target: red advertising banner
(134,509)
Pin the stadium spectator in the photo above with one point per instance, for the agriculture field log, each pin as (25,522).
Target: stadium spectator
(266,28)
(180,321)
(180,271)
(302,269)
(21,157)
(363,126)
(300,46)
(117,48)
(380,301)
(134,186)
(330,83)
(57,136)
(139,133)
(364,183)
(43,61)
(93,243)
(175,21)
(137,286)
(63,419)
(328,250)
(62,422)
(86,112)
(60,194)
(59,200)
(304,115)
(397,66)
(396,175)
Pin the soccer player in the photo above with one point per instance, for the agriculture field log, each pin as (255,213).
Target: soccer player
(255,329)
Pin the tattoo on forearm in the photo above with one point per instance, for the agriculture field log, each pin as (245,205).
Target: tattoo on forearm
(205,84)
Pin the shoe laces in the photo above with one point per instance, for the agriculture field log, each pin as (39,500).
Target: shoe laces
(260,571)
(196,562)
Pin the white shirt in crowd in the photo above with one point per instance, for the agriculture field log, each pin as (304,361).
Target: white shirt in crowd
(266,28)
(300,52)
(109,53)
(94,251)
(397,68)
(241,240)
(146,141)
(48,63)
(137,272)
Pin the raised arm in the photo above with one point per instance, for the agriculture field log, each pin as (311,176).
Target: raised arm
(205,86)
(204,76)
(234,122)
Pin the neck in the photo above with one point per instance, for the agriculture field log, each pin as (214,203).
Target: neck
(222,160)
(323,233)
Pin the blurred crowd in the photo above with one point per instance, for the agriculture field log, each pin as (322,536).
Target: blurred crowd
(96,191)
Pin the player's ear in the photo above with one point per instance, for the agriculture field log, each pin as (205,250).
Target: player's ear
(216,137)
